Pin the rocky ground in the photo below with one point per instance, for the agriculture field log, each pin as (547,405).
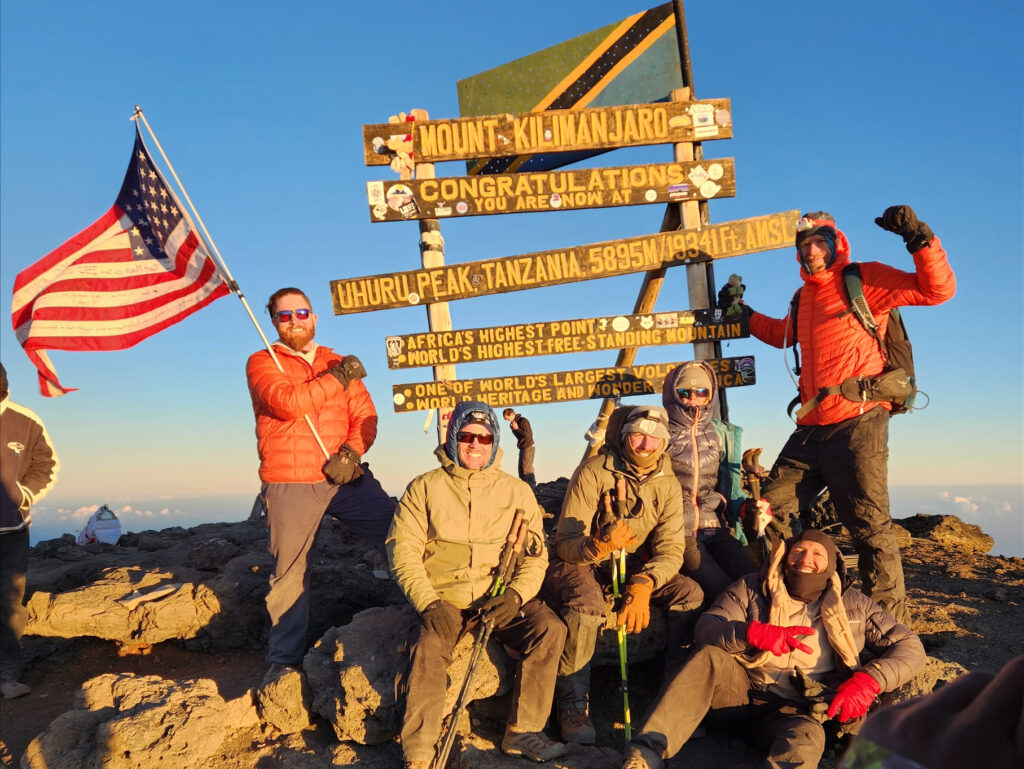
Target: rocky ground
(150,652)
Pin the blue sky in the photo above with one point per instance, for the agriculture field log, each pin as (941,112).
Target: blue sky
(847,107)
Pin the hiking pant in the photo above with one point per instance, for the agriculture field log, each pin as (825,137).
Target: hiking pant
(13,615)
(534,640)
(526,472)
(580,592)
(851,458)
(294,513)
(712,680)
(723,560)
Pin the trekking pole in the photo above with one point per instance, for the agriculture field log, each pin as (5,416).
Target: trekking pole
(618,582)
(513,544)
(754,473)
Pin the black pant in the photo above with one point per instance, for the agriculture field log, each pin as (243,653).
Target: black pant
(712,680)
(722,561)
(13,566)
(851,458)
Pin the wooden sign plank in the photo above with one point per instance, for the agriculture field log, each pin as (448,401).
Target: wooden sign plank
(457,196)
(558,266)
(561,130)
(560,386)
(555,337)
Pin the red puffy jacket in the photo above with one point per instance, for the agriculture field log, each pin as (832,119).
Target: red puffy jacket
(288,451)
(834,346)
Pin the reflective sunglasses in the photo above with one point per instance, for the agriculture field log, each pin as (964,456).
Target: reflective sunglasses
(284,316)
(483,440)
(693,392)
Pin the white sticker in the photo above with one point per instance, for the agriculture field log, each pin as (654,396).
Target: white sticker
(413,298)
(650,196)
(698,175)
(555,200)
(646,322)
(462,207)
(620,323)
(375,192)
(399,399)
(715,171)
(380,211)
(709,189)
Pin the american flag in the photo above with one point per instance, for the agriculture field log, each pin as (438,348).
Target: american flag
(135,271)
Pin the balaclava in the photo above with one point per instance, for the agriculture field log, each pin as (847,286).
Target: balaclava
(464,414)
(817,223)
(809,587)
(647,420)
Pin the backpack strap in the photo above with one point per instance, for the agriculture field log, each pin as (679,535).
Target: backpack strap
(859,305)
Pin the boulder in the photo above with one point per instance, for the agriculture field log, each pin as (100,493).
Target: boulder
(948,531)
(123,721)
(351,670)
(283,702)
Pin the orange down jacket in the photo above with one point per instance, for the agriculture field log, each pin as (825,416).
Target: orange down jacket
(834,346)
(288,451)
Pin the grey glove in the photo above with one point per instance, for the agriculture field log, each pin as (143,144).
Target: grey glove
(343,467)
(501,609)
(904,222)
(440,618)
(350,368)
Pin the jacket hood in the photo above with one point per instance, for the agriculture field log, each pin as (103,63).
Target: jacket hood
(471,411)
(677,413)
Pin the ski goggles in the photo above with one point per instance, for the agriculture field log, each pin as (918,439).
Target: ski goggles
(284,316)
(693,392)
(483,440)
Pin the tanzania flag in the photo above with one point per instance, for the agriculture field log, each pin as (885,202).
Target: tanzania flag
(627,62)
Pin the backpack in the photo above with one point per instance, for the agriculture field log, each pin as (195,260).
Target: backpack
(895,347)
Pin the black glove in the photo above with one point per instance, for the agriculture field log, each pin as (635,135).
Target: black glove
(349,369)
(501,609)
(440,617)
(343,467)
(904,222)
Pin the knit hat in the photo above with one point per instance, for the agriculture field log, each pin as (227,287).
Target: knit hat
(694,376)
(649,420)
(815,223)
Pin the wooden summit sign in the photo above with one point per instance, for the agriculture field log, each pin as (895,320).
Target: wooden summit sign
(563,130)
(555,337)
(456,196)
(549,268)
(559,386)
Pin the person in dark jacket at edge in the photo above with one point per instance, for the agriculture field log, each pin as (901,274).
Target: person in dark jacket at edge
(789,655)
(588,537)
(28,470)
(712,497)
(521,429)
(839,442)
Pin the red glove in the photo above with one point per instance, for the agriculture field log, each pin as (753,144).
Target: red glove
(776,639)
(854,696)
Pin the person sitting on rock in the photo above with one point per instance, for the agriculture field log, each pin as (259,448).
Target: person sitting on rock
(444,547)
(783,655)
(712,496)
(624,498)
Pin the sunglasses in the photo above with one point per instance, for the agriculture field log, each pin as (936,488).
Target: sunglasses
(693,392)
(483,440)
(284,316)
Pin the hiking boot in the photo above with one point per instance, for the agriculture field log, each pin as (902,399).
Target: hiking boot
(11,689)
(278,670)
(577,727)
(532,745)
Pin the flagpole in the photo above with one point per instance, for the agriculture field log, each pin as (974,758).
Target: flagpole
(232,284)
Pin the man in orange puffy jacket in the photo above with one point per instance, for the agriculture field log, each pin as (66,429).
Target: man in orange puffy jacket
(301,387)
(841,443)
